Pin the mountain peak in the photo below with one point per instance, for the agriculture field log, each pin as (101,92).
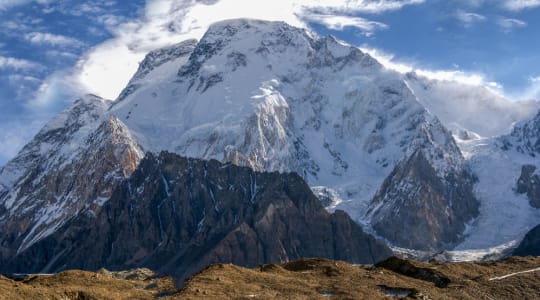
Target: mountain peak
(83,110)
(233,26)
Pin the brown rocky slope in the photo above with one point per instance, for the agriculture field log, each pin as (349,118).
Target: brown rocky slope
(512,278)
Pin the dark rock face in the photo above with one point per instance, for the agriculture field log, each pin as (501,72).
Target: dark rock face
(178,215)
(529,183)
(416,208)
(409,269)
(530,245)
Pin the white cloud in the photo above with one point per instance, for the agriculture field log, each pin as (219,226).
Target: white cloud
(518,5)
(54,93)
(61,55)
(17,64)
(358,6)
(7,4)
(341,22)
(18,78)
(52,39)
(469,78)
(13,26)
(508,24)
(532,92)
(474,3)
(468,18)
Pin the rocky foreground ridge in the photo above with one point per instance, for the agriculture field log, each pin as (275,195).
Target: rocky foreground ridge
(394,278)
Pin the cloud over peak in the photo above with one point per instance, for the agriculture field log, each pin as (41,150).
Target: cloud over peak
(166,22)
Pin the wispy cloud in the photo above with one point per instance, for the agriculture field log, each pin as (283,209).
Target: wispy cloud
(532,91)
(509,24)
(473,3)
(54,93)
(52,39)
(61,55)
(17,63)
(7,4)
(390,61)
(357,6)
(468,19)
(18,78)
(367,27)
(518,5)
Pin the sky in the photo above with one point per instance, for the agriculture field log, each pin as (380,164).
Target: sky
(53,51)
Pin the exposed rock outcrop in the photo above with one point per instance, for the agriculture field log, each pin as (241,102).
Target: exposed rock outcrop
(530,245)
(178,215)
(529,183)
(416,208)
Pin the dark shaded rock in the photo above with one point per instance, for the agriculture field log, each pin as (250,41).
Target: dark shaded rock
(178,215)
(529,183)
(407,268)
(416,208)
(398,292)
(530,245)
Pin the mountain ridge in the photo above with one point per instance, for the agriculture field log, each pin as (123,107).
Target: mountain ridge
(277,98)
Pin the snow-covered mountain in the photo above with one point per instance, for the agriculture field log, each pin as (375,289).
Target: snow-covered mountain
(72,164)
(405,156)
(277,98)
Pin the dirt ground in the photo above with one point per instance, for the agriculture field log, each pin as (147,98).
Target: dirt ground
(512,278)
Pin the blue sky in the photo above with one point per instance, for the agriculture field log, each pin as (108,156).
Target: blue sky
(51,51)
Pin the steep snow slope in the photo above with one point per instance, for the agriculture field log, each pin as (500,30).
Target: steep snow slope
(470,110)
(275,97)
(278,98)
(73,163)
(158,66)
(61,135)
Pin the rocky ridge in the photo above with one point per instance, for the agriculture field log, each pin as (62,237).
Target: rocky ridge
(513,278)
(177,215)
(73,163)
